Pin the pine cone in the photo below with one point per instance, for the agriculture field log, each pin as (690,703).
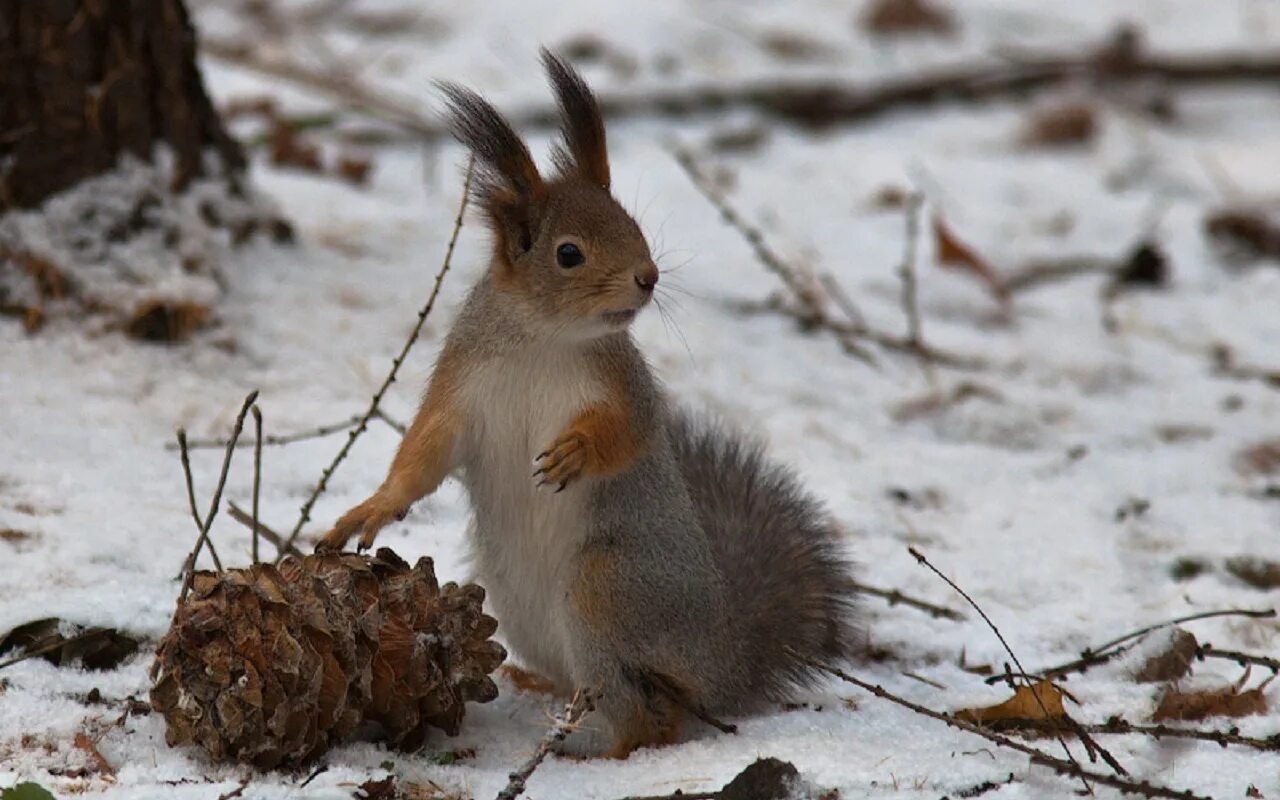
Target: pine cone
(272,666)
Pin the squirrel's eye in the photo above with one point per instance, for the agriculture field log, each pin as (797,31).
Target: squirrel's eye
(569,256)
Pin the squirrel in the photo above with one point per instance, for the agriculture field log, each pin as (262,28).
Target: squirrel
(651,557)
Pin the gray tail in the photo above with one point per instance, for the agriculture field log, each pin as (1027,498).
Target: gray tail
(790,587)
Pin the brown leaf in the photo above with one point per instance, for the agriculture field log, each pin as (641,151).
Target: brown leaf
(898,17)
(1022,709)
(1173,662)
(384,789)
(354,169)
(1262,458)
(1068,123)
(166,321)
(1226,702)
(95,648)
(1258,573)
(1245,231)
(953,253)
(100,764)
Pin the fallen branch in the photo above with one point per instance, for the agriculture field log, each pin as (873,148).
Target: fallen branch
(815,103)
(896,597)
(1060,766)
(189,567)
(812,312)
(560,728)
(304,514)
(1091,747)
(1093,656)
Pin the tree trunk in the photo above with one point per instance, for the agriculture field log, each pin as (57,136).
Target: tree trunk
(84,81)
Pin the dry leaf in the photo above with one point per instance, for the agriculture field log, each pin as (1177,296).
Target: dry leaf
(1021,710)
(1262,458)
(1193,706)
(1068,123)
(1172,662)
(384,789)
(166,321)
(1246,232)
(353,169)
(897,17)
(953,253)
(94,648)
(1258,573)
(100,764)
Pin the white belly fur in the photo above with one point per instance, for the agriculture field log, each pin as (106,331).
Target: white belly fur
(524,539)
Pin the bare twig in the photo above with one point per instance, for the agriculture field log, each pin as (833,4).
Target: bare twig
(807,102)
(1118,726)
(340,86)
(1243,659)
(1092,747)
(304,513)
(1092,656)
(907,272)
(189,568)
(563,725)
(191,493)
(289,438)
(1062,767)
(896,597)
(246,519)
(236,792)
(812,312)
(257,474)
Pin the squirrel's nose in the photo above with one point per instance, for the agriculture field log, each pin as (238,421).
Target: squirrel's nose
(647,278)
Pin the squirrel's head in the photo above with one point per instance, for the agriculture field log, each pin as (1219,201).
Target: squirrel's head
(562,245)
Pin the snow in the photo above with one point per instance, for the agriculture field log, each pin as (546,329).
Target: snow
(1023,489)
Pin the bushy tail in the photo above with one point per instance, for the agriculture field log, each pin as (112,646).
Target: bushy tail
(790,585)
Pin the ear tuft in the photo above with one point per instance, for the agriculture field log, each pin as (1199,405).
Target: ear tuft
(505,167)
(584,151)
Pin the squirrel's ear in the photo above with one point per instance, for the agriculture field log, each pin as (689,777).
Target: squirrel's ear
(584,150)
(506,183)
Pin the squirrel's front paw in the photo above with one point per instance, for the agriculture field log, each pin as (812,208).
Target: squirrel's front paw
(369,517)
(562,462)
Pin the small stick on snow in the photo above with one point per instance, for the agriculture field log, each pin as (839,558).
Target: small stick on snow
(265,531)
(1092,747)
(907,272)
(896,597)
(1119,725)
(563,725)
(189,568)
(1062,767)
(1092,656)
(304,514)
(191,492)
(812,312)
(257,473)
(1243,659)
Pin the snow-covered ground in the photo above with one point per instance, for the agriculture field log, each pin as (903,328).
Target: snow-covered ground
(1016,493)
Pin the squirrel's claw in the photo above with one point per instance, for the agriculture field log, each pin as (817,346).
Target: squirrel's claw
(561,463)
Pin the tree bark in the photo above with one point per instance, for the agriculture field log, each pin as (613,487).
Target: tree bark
(83,82)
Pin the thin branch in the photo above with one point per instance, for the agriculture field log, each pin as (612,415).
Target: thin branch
(1092,656)
(304,514)
(1090,746)
(1062,767)
(189,568)
(246,519)
(907,272)
(817,103)
(1118,725)
(257,474)
(1243,659)
(563,725)
(812,312)
(896,597)
(273,441)
(191,493)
